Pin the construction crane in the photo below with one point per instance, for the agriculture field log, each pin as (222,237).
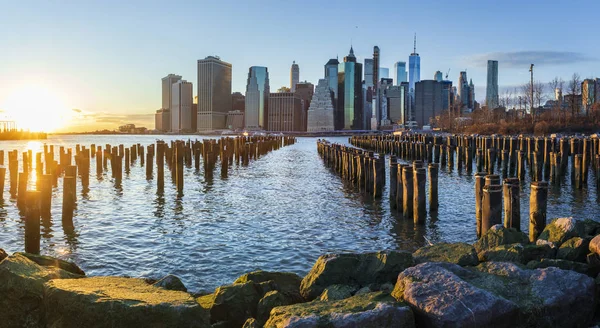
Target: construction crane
(447,74)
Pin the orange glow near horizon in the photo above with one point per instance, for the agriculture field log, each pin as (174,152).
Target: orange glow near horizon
(36,108)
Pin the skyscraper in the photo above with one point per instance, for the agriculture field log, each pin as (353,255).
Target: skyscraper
(491,95)
(167,85)
(397,97)
(331,75)
(428,101)
(285,112)
(463,90)
(375,66)
(305,91)
(400,72)
(182,98)
(349,105)
(320,112)
(384,73)
(368,72)
(438,76)
(257,98)
(414,68)
(214,93)
(294,76)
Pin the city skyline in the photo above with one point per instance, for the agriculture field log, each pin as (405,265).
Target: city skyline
(77,42)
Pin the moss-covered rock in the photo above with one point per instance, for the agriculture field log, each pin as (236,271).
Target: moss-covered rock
(3,254)
(458,253)
(560,230)
(251,323)
(373,310)
(337,292)
(233,304)
(574,249)
(499,235)
(171,282)
(268,302)
(22,289)
(582,268)
(285,282)
(49,261)
(517,253)
(119,302)
(356,270)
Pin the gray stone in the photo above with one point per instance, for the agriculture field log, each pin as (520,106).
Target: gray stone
(356,270)
(232,304)
(49,261)
(574,249)
(517,253)
(458,253)
(560,230)
(366,290)
(337,292)
(268,302)
(285,282)
(171,282)
(499,235)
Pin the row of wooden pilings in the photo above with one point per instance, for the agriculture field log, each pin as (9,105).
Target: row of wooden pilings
(35,204)
(545,159)
(366,171)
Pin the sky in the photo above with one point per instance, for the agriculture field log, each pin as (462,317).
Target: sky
(87,65)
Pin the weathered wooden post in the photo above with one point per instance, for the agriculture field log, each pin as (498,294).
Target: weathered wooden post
(433,186)
(491,160)
(32,222)
(512,203)
(479,183)
(179,167)
(521,165)
(99,163)
(13,171)
(160,167)
(2,177)
(393,181)
(45,196)
(407,189)
(149,165)
(491,212)
(419,202)
(68,205)
(538,202)
(577,171)
(21,190)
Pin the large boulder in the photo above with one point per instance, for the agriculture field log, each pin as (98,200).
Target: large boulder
(560,230)
(356,270)
(22,290)
(251,323)
(591,228)
(119,302)
(372,310)
(285,282)
(574,249)
(49,261)
(594,245)
(458,253)
(3,254)
(582,268)
(171,282)
(271,299)
(233,304)
(496,294)
(517,253)
(499,235)
(337,292)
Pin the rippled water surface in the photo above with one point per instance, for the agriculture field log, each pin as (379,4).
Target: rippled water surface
(279,213)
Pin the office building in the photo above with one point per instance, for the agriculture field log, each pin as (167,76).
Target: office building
(305,91)
(384,73)
(349,115)
(368,72)
(257,98)
(162,120)
(397,98)
(235,120)
(238,102)
(182,97)
(492,100)
(331,75)
(414,68)
(294,76)
(400,73)
(590,93)
(375,66)
(428,101)
(320,112)
(167,85)
(438,76)
(285,112)
(214,93)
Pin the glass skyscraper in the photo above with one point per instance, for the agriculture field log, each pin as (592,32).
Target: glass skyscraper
(331,75)
(491,95)
(349,113)
(257,98)
(414,71)
(400,73)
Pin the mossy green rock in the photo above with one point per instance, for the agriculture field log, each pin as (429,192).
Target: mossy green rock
(119,302)
(582,268)
(458,253)
(356,270)
(251,323)
(560,230)
(286,282)
(233,304)
(499,235)
(517,253)
(373,310)
(574,249)
(268,302)
(171,282)
(337,292)
(54,262)
(22,290)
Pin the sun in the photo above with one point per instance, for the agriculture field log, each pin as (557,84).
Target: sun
(35,108)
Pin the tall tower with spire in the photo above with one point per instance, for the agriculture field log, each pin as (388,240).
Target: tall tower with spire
(294,76)
(349,111)
(414,76)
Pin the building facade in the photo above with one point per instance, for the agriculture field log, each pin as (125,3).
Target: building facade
(214,93)
(492,100)
(400,73)
(257,98)
(320,112)
(397,98)
(294,76)
(331,75)
(438,76)
(349,115)
(167,84)
(305,91)
(235,120)
(590,93)
(368,67)
(182,98)
(162,120)
(428,101)
(285,112)
(414,68)
(238,102)
(384,73)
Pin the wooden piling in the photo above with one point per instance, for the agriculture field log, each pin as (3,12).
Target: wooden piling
(512,203)
(538,202)
(479,183)
(32,222)
(407,189)
(433,186)
(491,211)
(419,200)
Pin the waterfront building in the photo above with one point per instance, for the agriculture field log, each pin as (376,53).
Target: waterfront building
(182,97)
(349,115)
(285,112)
(471,103)
(305,91)
(438,76)
(397,98)
(447,94)
(238,102)
(320,112)
(382,101)
(235,120)
(257,98)
(214,93)
(162,120)
(294,76)
(400,73)
(428,101)
(167,85)
(331,74)
(491,94)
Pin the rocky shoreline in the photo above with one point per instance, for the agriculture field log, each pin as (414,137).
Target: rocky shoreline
(502,280)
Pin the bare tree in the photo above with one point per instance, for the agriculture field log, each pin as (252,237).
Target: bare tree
(574,89)
(557,86)
(538,92)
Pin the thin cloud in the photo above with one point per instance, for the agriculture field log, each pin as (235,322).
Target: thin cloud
(525,58)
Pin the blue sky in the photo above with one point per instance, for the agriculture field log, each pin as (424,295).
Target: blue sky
(107,57)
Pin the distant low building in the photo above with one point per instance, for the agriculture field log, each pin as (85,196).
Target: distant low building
(132,129)
(235,120)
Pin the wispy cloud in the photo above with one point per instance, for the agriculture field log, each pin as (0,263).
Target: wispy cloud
(525,58)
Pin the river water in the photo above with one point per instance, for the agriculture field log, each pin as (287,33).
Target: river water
(279,213)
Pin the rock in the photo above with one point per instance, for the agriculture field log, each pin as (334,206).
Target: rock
(233,304)
(366,290)
(337,292)
(54,262)
(594,245)
(517,253)
(373,310)
(285,282)
(458,253)
(499,235)
(591,228)
(574,249)
(559,263)
(251,323)
(562,229)
(268,302)
(387,288)
(357,270)
(496,294)
(118,302)
(22,289)
(171,282)
(3,254)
